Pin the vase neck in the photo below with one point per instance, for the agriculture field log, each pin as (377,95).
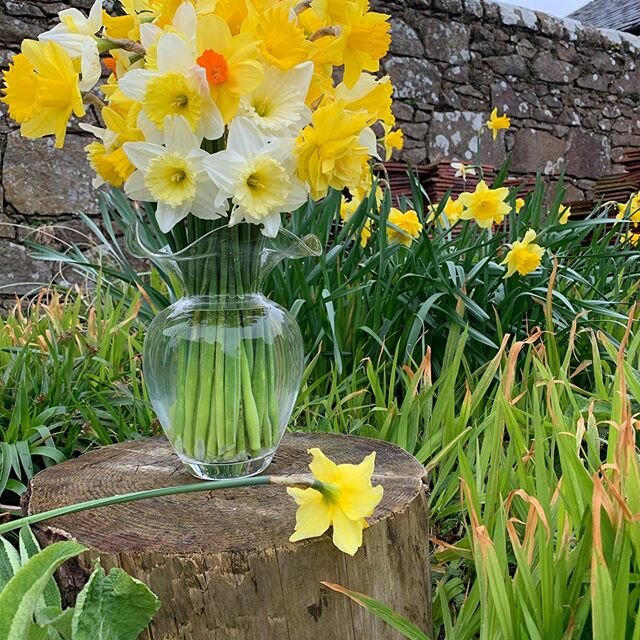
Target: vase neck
(224,261)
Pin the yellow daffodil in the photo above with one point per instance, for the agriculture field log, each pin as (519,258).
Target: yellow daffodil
(408,226)
(463,170)
(363,39)
(76,33)
(283,42)
(341,497)
(349,206)
(564,214)
(630,209)
(333,151)
(519,203)
(41,90)
(496,123)
(107,157)
(125,26)
(525,256)
(230,62)
(392,140)
(631,237)
(486,206)
(453,209)
(369,94)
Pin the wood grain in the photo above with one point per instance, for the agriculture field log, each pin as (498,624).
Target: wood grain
(220,561)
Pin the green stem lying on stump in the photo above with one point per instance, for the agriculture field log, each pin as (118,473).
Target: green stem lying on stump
(289,481)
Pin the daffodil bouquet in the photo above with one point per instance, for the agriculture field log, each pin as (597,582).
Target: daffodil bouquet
(220,116)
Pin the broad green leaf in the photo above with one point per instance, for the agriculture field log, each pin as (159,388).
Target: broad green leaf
(19,598)
(395,620)
(113,606)
(29,547)
(9,562)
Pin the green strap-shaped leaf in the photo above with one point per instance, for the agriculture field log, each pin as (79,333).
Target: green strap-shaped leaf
(113,606)
(19,598)
(406,628)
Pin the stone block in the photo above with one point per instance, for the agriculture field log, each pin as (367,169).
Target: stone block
(41,180)
(414,78)
(548,68)
(405,40)
(19,272)
(444,40)
(588,154)
(536,150)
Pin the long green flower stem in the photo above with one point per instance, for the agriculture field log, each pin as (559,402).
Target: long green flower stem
(289,481)
(226,407)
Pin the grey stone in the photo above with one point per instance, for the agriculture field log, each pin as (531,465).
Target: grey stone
(41,180)
(536,150)
(508,65)
(404,39)
(20,273)
(550,69)
(414,78)
(588,154)
(446,41)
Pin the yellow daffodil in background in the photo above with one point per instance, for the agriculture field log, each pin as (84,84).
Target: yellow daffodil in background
(520,202)
(496,123)
(564,214)
(486,206)
(463,170)
(525,256)
(408,226)
(632,238)
(392,140)
(341,497)
(350,205)
(452,211)
(41,90)
(230,62)
(630,209)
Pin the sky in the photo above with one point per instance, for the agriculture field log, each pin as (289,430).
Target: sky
(554,7)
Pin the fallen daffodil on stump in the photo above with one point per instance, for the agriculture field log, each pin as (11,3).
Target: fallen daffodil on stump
(342,497)
(338,495)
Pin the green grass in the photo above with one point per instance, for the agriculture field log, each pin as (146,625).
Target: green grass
(70,378)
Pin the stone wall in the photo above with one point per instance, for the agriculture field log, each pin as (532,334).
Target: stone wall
(572,93)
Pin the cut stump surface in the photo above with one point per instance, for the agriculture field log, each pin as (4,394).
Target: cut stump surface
(220,561)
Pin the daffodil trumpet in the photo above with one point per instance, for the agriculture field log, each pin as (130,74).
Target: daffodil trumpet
(338,495)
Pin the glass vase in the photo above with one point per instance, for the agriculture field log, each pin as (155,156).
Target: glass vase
(223,363)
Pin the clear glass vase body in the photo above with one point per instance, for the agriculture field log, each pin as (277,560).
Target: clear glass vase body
(223,363)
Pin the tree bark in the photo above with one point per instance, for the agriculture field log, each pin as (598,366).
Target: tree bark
(220,561)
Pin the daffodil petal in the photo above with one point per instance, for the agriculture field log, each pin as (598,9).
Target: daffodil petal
(313,517)
(347,533)
(321,467)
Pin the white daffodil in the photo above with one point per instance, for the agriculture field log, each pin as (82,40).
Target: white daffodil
(76,35)
(177,88)
(172,175)
(462,170)
(257,174)
(277,106)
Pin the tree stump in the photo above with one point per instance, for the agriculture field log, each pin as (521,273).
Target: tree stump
(221,562)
